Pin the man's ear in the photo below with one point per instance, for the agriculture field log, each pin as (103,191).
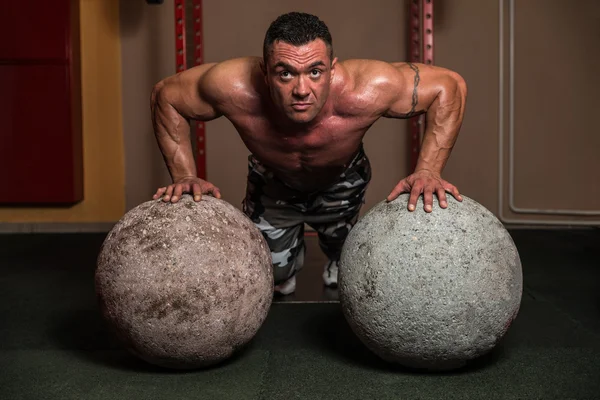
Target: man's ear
(263,68)
(333,64)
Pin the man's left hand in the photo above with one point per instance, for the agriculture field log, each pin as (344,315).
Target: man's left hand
(427,183)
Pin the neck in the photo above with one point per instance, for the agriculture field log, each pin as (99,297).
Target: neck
(304,127)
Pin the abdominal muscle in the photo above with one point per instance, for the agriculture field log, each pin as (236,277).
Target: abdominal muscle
(307,166)
(309,176)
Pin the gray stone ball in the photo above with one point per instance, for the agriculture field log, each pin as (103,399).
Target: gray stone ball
(432,290)
(184,285)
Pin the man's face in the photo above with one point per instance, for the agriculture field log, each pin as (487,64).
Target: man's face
(299,78)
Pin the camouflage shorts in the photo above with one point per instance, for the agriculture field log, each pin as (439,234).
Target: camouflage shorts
(280,212)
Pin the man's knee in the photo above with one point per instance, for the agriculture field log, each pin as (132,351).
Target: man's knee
(332,247)
(288,261)
(332,237)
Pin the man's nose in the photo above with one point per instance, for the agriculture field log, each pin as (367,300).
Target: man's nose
(301,88)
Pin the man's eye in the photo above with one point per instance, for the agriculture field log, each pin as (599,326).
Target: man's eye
(315,73)
(285,75)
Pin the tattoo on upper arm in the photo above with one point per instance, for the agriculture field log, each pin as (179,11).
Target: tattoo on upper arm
(415,95)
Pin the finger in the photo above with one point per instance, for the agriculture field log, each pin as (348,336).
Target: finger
(197,190)
(159,192)
(441,194)
(414,196)
(210,189)
(216,192)
(179,189)
(168,193)
(428,199)
(454,191)
(401,187)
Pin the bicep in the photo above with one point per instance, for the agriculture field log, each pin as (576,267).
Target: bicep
(414,88)
(190,93)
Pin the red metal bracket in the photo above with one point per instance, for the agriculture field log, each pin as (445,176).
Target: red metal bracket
(414,56)
(180,35)
(428,32)
(414,18)
(420,50)
(199,59)
(181,65)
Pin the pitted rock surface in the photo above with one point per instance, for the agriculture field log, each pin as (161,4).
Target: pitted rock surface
(184,285)
(430,290)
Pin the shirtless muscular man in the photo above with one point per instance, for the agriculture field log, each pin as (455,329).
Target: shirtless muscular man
(303,114)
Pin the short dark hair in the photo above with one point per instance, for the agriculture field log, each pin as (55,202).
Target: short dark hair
(297,29)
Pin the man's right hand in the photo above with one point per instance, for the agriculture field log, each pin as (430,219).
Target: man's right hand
(193,185)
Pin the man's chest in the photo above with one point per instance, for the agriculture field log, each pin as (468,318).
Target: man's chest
(334,130)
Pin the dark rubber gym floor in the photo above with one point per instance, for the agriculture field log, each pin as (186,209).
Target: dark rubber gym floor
(53,344)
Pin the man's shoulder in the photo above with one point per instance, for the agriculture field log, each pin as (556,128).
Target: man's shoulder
(366,71)
(234,78)
(365,86)
(235,71)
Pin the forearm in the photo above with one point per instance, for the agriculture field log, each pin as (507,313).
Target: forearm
(172,133)
(444,118)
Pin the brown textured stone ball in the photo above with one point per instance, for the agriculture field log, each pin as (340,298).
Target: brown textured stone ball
(184,285)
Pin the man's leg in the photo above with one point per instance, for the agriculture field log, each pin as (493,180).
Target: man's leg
(334,212)
(287,251)
(280,223)
(331,239)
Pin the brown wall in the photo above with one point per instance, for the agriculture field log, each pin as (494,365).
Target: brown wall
(148,53)
(555,54)
(466,41)
(556,138)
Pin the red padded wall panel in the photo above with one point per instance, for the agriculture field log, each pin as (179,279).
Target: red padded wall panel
(34,29)
(36,149)
(40,103)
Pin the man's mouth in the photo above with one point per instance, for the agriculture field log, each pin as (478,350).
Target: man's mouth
(300,106)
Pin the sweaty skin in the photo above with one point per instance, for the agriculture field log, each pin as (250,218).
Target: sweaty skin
(304,116)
